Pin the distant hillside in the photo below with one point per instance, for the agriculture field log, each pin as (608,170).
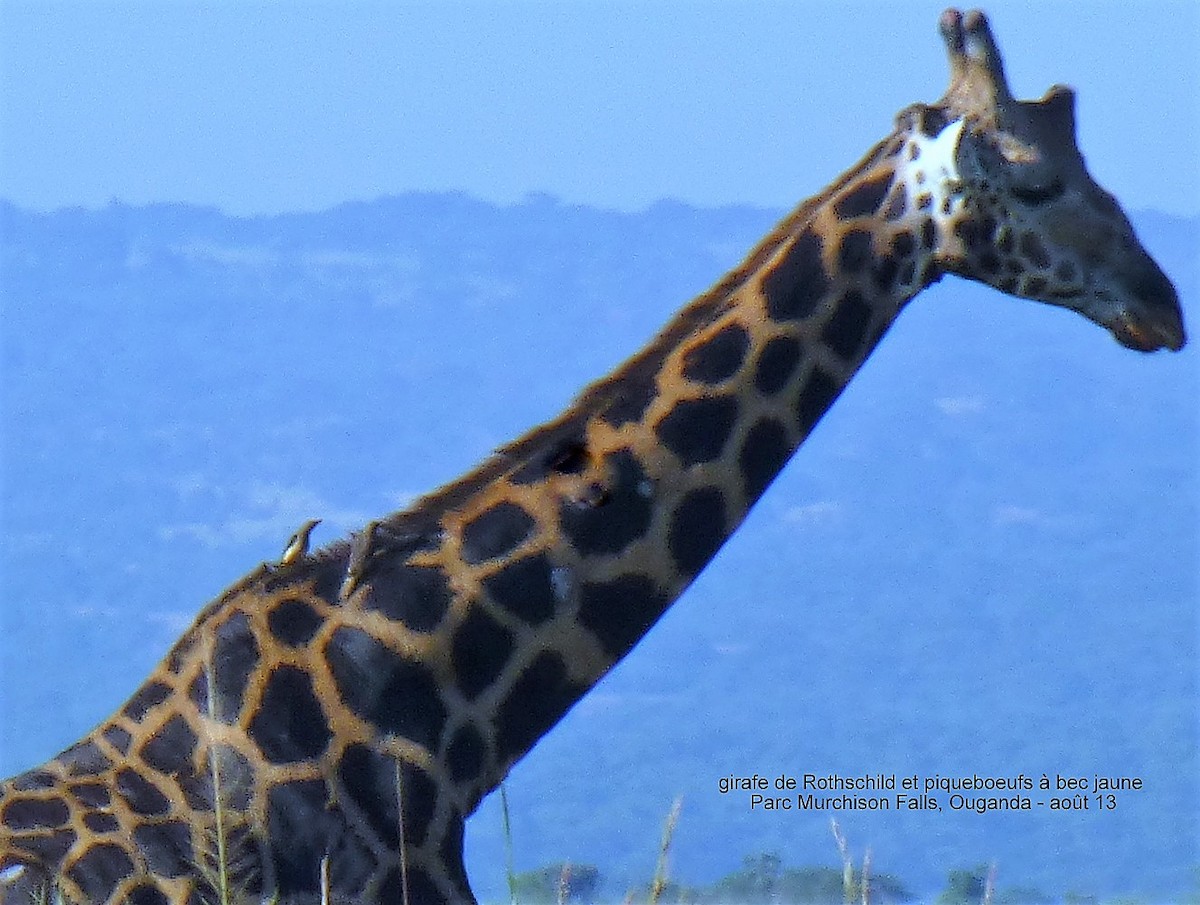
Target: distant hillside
(982,562)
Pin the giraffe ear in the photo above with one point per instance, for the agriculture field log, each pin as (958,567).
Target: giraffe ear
(1059,104)
(1037,141)
(1051,120)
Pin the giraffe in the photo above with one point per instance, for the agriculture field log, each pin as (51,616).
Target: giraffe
(325,727)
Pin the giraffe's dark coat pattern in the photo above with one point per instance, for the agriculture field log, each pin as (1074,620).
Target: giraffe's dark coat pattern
(347,709)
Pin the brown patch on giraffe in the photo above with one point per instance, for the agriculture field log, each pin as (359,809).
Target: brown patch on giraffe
(395,695)
(169,749)
(698,528)
(696,430)
(897,204)
(236,774)
(495,532)
(930,121)
(904,245)
(815,398)
(845,331)
(629,403)
(293,622)
(884,272)
(481,649)
(1033,286)
(99,869)
(370,781)
(524,588)
(235,657)
(864,198)
(145,699)
(118,737)
(35,813)
(140,795)
(855,250)
(34,781)
(289,725)
(534,703)
(417,597)
(764,452)
(620,611)
(988,262)
(297,812)
(101,823)
(776,364)
(466,754)
(90,794)
(563,452)
(717,358)
(797,283)
(84,759)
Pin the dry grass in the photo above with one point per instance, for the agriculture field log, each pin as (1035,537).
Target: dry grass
(659,883)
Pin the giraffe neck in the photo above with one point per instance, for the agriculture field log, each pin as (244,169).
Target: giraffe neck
(607,513)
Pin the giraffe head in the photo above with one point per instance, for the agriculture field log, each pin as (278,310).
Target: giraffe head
(1015,205)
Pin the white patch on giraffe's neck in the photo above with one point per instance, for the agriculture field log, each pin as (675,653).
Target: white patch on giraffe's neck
(929,169)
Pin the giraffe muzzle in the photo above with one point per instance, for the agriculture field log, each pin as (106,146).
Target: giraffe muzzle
(1151,319)
(1148,335)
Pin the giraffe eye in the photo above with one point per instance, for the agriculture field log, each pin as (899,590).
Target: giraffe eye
(1038,194)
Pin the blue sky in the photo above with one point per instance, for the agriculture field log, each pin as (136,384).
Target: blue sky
(267,107)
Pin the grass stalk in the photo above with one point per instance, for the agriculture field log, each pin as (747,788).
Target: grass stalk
(400,833)
(849,893)
(214,768)
(564,883)
(864,881)
(508,846)
(660,869)
(989,885)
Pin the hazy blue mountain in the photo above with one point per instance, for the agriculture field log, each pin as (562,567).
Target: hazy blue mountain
(982,562)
